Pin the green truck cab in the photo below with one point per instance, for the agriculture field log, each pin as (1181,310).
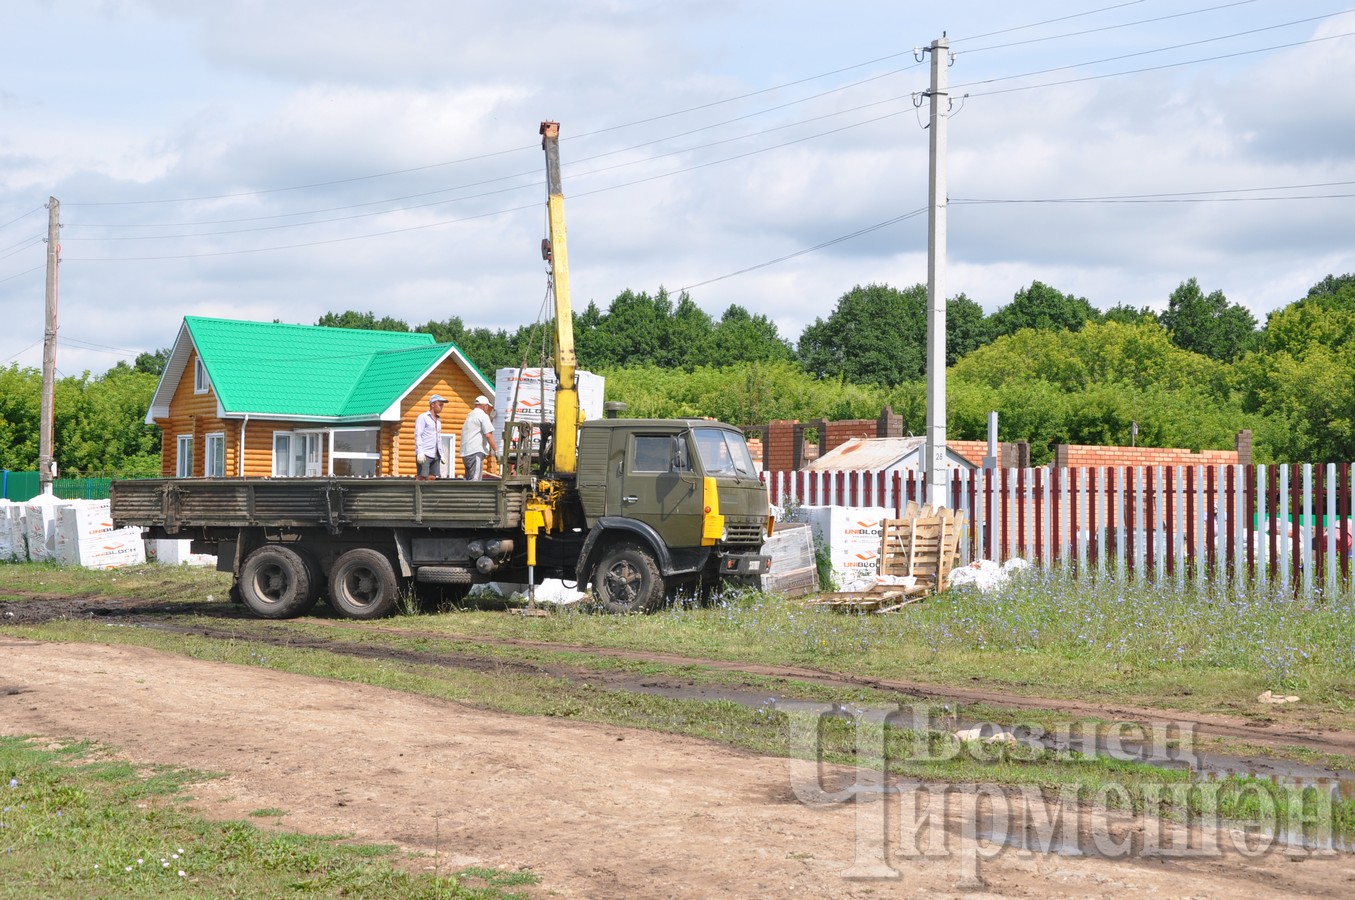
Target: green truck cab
(668,504)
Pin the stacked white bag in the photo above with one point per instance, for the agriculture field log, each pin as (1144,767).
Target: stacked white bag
(13,541)
(40,526)
(85,536)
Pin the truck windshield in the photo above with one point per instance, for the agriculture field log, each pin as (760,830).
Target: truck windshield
(723,451)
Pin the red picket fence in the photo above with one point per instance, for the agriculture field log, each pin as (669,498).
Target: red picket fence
(1285,524)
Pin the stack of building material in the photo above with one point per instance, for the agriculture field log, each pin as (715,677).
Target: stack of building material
(85,536)
(176,552)
(13,541)
(851,535)
(40,526)
(794,571)
(528,395)
(924,545)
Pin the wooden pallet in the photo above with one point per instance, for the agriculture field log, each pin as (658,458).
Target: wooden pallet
(882,598)
(925,544)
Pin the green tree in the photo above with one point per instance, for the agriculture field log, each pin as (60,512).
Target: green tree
(742,337)
(20,413)
(875,335)
(152,363)
(368,321)
(1044,308)
(1128,315)
(1208,324)
(966,330)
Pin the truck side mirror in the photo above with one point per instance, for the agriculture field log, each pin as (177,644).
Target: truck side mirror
(680,463)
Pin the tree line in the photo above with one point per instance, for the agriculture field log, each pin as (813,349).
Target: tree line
(1057,371)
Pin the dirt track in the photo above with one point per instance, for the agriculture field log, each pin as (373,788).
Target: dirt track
(595,811)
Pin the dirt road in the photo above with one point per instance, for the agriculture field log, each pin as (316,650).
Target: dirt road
(594,811)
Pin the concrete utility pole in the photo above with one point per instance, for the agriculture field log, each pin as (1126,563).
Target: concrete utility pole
(46,428)
(936,292)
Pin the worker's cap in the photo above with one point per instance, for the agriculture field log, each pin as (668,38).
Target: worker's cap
(482,400)
(437,398)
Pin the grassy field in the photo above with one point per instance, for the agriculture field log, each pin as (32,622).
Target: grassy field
(76,822)
(1042,636)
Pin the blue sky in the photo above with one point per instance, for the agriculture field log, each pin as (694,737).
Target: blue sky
(265,160)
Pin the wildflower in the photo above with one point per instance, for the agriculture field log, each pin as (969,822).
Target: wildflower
(182,873)
(13,783)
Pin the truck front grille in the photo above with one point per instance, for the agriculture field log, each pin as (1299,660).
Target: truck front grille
(743,530)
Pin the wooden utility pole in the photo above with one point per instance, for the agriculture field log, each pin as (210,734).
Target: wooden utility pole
(936,469)
(46,463)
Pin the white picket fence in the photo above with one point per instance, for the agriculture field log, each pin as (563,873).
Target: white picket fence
(1283,525)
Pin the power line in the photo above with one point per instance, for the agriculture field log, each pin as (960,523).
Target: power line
(1080,15)
(1188,62)
(35,209)
(538,183)
(22,274)
(7,252)
(1057,37)
(780,259)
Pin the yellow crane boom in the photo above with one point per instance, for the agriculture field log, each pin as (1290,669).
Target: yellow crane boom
(566,363)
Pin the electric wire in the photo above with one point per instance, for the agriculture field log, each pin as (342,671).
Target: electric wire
(1103,28)
(22,217)
(820,246)
(1139,53)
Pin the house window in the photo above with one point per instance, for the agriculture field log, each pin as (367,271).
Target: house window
(282,454)
(354,451)
(296,453)
(200,380)
(183,467)
(214,463)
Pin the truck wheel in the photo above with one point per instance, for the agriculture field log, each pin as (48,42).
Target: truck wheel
(275,583)
(627,580)
(362,585)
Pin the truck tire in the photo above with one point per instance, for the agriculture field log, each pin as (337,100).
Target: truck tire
(444,575)
(627,580)
(275,583)
(362,584)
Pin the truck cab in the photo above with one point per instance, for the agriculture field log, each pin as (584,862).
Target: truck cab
(668,504)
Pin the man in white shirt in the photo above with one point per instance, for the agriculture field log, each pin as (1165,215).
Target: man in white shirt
(428,439)
(477,438)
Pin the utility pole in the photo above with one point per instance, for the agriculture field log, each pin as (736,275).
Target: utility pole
(937,470)
(46,464)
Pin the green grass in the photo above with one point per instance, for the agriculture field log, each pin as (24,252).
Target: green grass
(1151,645)
(75,823)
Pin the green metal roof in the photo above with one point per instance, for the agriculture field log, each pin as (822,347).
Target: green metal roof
(307,370)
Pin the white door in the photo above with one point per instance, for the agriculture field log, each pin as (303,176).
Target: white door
(448,456)
(308,445)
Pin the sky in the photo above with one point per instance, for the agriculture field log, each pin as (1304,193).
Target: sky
(279,161)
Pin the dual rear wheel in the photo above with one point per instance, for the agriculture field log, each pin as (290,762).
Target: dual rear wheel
(276,582)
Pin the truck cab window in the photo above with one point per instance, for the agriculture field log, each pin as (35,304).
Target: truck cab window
(723,451)
(652,452)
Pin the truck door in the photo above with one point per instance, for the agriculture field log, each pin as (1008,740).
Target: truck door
(659,487)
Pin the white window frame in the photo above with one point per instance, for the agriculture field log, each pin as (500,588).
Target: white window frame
(373,455)
(301,456)
(200,380)
(183,457)
(214,454)
(282,460)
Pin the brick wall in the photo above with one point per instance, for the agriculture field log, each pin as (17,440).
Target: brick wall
(835,434)
(1078,456)
(778,453)
(785,449)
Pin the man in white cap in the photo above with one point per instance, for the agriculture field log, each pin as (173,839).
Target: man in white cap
(428,439)
(477,438)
